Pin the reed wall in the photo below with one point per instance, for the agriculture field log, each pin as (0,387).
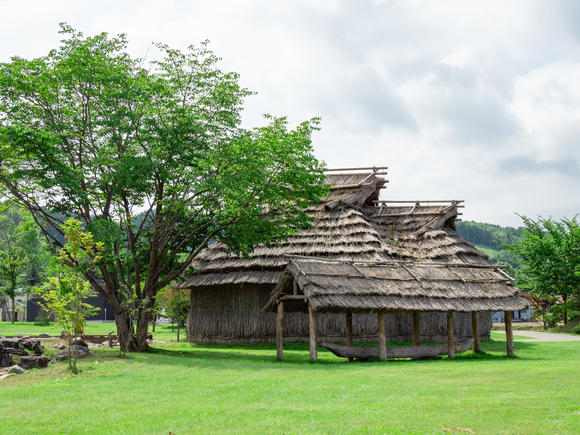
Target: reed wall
(232,314)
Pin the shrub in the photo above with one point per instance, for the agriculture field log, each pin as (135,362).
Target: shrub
(43,318)
(576,329)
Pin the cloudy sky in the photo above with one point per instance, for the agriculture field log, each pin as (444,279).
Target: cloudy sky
(472,100)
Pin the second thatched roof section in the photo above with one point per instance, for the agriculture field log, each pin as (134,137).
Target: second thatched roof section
(337,286)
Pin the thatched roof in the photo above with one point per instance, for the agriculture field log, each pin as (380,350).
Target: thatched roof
(394,286)
(351,225)
(339,230)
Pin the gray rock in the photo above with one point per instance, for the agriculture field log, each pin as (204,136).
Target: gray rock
(16,369)
(76,350)
(83,349)
(5,357)
(59,346)
(80,342)
(10,343)
(33,362)
(20,352)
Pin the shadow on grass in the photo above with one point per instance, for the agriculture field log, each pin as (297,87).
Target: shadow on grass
(298,353)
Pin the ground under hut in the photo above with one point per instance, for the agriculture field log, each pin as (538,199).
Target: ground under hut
(315,285)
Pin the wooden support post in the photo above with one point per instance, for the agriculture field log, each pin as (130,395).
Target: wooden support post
(382,338)
(313,317)
(416,329)
(279,336)
(349,329)
(450,340)
(475,331)
(509,334)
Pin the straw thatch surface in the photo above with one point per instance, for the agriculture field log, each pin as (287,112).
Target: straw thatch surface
(396,287)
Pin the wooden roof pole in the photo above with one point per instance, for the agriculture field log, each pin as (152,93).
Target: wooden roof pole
(509,334)
(349,330)
(450,340)
(475,330)
(279,335)
(382,337)
(313,323)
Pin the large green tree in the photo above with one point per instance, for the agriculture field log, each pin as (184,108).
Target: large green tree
(90,132)
(550,258)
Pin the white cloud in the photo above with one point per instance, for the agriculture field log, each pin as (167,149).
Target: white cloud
(474,100)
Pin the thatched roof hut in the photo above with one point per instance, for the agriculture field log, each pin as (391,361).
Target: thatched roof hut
(356,231)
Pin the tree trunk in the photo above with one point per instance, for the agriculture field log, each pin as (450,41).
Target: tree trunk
(564,298)
(143,319)
(509,335)
(13,309)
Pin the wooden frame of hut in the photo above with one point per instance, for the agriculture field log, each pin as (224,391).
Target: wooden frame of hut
(349,224)
(316,285)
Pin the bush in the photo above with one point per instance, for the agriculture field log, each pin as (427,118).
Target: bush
(43,319)
(573,315)
(576,329)
(552,319)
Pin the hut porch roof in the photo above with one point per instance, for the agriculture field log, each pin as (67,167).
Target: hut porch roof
(337,286)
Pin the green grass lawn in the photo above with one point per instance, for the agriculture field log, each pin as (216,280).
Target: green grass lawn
(188,389)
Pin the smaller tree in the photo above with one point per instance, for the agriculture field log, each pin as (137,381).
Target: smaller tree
(550,257)
(176,303)
(541,307)
(20,249)
(65,292)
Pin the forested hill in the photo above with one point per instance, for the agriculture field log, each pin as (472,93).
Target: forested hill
(486,237)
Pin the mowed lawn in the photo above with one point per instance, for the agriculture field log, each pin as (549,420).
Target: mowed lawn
(243,389)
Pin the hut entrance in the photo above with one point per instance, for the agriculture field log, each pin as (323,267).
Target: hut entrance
(391,287)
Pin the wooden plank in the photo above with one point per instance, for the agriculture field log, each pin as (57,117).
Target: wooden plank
(279,335)
(293,298)
(372,168)
(421,213)
(393,262)
(313,329)
(349,186)
(475,330)
(349,329)
(509,333)
(295,287)
(392,201)
(416,329)
(450,340)
(368,352)
(382,337)
(378,173)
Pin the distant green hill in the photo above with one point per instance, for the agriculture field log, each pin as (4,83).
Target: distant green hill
(487,238)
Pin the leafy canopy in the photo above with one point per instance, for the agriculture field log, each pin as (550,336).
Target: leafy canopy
(550,257)
(151,157)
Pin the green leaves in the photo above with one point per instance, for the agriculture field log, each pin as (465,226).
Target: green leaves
(151,158)
(550,253)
